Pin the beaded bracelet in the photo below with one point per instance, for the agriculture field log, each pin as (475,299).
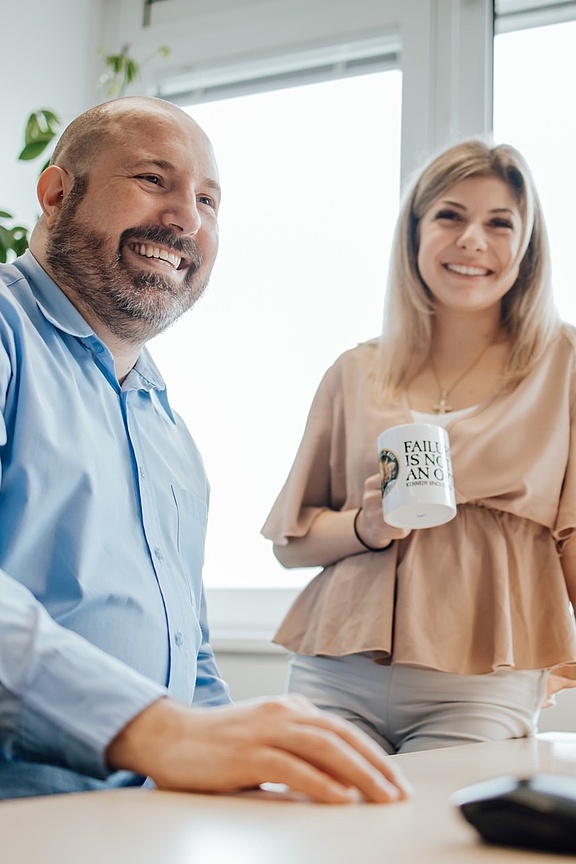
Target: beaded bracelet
(360,540)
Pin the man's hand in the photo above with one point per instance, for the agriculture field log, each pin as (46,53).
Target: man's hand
(278,740)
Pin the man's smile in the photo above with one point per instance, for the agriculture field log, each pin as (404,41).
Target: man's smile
(150,251)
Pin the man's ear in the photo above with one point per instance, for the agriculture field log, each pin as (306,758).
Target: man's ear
(53,186)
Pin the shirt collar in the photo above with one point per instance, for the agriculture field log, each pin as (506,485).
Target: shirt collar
(62,314)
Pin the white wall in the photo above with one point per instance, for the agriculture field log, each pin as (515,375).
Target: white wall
(48,59)
(251,674)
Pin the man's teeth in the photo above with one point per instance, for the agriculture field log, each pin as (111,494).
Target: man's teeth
(467,271)
(154,252)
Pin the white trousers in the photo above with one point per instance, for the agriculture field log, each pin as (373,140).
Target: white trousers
(407,708)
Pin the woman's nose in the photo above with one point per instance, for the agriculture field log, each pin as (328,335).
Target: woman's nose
(472,238)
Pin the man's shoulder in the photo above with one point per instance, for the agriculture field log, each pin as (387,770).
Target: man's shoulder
(10,275)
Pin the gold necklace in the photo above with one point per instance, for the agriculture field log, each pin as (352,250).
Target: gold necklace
(442,406)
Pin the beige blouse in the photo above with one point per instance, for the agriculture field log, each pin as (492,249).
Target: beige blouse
(481,592)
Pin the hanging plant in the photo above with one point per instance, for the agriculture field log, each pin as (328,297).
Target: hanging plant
(122,70)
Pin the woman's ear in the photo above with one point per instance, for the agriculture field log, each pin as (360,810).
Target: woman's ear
(53,186)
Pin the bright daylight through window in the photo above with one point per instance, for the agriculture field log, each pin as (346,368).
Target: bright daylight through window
(310,180)
(534,79)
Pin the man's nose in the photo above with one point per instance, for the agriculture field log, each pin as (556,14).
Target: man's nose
(182,215)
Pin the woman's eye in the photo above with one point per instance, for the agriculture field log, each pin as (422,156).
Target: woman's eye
(502,223)
(448,214)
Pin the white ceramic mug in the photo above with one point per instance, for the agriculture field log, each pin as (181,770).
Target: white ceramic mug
(416,475)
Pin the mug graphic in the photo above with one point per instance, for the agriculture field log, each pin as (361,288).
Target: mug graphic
(388,470)
(416,475)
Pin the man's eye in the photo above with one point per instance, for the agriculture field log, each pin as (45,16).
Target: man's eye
(208,201)
(151,178)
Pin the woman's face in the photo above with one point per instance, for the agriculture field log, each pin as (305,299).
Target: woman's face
(468,244)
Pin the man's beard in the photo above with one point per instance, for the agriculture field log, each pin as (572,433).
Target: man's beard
(135,306)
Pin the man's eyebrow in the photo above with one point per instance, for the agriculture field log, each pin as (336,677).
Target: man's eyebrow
(212,184)
(165,165)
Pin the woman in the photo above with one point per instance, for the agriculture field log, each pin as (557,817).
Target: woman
(445,635)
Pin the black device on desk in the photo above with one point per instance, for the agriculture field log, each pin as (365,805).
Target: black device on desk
(537,812)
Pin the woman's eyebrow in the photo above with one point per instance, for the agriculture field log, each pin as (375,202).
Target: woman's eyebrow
(491,210)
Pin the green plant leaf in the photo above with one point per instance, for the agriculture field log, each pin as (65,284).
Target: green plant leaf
(20,244)
(52,119)
(13,240)
(41,124)
(5,244)
(32,129)
(131,71)
(41,128)
(33,149)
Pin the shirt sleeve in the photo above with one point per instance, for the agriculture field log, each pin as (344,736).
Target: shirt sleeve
(62,700)
(210,688)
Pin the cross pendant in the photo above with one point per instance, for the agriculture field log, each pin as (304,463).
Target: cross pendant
(442,406)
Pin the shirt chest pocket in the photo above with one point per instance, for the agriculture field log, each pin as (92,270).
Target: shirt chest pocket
(190,527)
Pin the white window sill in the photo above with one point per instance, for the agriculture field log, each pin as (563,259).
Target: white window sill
(248,642)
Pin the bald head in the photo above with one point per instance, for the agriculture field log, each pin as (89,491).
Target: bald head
(107,124)
(129,225)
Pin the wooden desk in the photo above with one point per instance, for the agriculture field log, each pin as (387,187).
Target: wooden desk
(151,827)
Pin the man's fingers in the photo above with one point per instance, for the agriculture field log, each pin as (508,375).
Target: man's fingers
(353,759)
(336,747)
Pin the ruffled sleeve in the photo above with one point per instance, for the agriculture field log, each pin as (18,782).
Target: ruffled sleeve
(566,516)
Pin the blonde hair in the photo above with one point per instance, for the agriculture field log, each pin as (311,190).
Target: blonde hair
(528,311)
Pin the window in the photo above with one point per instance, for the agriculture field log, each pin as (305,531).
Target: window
(534,79)
(311,187)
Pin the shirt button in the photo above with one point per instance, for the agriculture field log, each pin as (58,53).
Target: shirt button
(158,554)
(142,473)
(179,638)
(98,348)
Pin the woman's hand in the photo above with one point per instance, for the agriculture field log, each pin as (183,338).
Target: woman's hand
(370,523)
(331,536)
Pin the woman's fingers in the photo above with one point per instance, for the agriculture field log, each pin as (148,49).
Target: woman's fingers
(373,528)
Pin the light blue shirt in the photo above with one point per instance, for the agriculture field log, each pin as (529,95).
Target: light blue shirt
(103,509)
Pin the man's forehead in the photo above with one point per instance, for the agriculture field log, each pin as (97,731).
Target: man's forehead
(160,145)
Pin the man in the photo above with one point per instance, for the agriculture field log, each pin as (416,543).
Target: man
(106,673)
